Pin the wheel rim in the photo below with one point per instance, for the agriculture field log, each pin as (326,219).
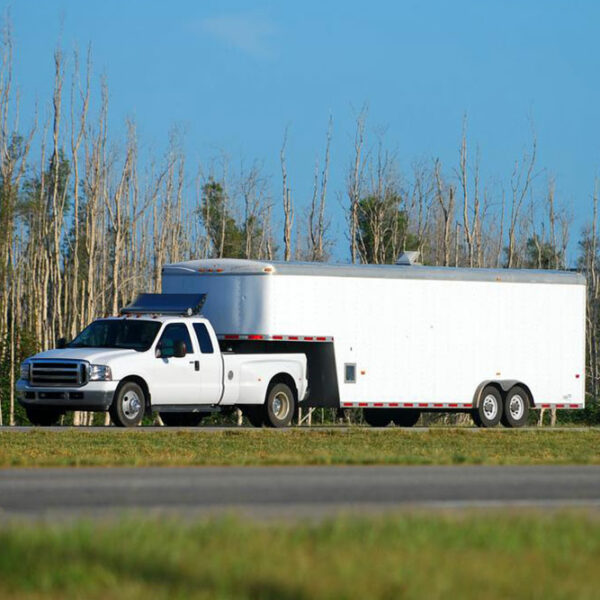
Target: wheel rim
(132,404)
(281,405)
(490,407)
(516,407)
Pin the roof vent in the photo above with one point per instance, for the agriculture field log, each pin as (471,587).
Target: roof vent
(408,258)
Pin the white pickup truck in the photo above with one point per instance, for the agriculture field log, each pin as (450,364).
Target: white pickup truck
(160,355)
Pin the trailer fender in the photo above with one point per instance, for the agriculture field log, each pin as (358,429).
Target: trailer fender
(503,386)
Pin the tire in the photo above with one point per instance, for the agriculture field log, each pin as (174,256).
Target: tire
(128,405)
(406,417)
(377,417)
(489,411)
(280,406)
(181,419)
(255,414)
(43,416)
(516,407)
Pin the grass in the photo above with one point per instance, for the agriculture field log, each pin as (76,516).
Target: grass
(293,447)
(480,555)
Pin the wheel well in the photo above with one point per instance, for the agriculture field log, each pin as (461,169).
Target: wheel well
(503,386)
(142,383)
(284,378)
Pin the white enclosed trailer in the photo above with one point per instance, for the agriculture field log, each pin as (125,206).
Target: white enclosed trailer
(494,342)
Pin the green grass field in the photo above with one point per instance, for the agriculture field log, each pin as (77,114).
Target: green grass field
(482,555)
(74,447)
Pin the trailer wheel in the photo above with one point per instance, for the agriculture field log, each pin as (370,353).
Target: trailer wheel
(279,406)
(127,408)
(516,407)
(406,417)
(377,417)
(489,411)
(183,419)
(255,414)
(43,416)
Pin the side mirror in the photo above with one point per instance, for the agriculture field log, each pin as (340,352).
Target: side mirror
(61,343)
(180,349)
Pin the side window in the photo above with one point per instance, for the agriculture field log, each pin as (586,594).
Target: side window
(172,333)
(203,336)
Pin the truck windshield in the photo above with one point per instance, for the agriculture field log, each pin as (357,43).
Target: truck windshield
(122,333)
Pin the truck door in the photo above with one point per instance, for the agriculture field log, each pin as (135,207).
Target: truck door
(176,380)
(211,366)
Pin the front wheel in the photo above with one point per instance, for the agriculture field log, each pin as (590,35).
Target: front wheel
(516,407)
(280,406)
(127,408)
(489,411)
(43,416)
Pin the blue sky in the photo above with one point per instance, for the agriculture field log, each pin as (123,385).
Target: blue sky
(233,75)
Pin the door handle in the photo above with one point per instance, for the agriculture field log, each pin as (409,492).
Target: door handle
(196,364)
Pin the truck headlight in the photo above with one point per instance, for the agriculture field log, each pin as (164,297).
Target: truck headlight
(99,373)
(25,370)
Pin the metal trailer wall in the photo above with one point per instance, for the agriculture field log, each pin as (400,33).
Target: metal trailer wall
(415,335)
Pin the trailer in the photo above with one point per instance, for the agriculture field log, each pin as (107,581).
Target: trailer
(398,340)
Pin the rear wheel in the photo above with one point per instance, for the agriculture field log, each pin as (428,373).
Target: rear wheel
(128,405)
(280,406)
(183,419)
(377,417)
(406,417)
(489,411)
(43,416)
(516,407)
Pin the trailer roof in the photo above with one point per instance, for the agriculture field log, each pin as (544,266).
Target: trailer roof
(235,266)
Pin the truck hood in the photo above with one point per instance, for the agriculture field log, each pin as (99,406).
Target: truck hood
(98,356)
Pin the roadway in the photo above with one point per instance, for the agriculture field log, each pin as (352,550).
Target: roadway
(289,492)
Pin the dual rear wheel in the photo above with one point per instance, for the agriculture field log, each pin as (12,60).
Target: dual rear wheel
(512,410)
(277,411)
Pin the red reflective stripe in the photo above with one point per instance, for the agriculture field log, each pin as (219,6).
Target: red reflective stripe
(308,339)
(292,337)
(255,336)
(438,405)
(232,337)
(574,405)
(408,404)
(452,405)
(378,404)
(393,404)
(362,404)
(468,405)
(545,406)
(321,339)
(277,337)
(560,406)
(347,403)
(423,404)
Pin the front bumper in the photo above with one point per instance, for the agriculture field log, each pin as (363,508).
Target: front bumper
(95,395)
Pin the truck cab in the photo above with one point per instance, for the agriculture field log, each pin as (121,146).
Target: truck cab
(159,355)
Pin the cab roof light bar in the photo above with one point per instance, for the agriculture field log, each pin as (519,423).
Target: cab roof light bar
(166,304)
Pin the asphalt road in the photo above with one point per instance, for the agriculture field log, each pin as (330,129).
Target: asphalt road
(289,492)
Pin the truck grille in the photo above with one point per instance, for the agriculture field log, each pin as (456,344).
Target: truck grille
(58,373)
